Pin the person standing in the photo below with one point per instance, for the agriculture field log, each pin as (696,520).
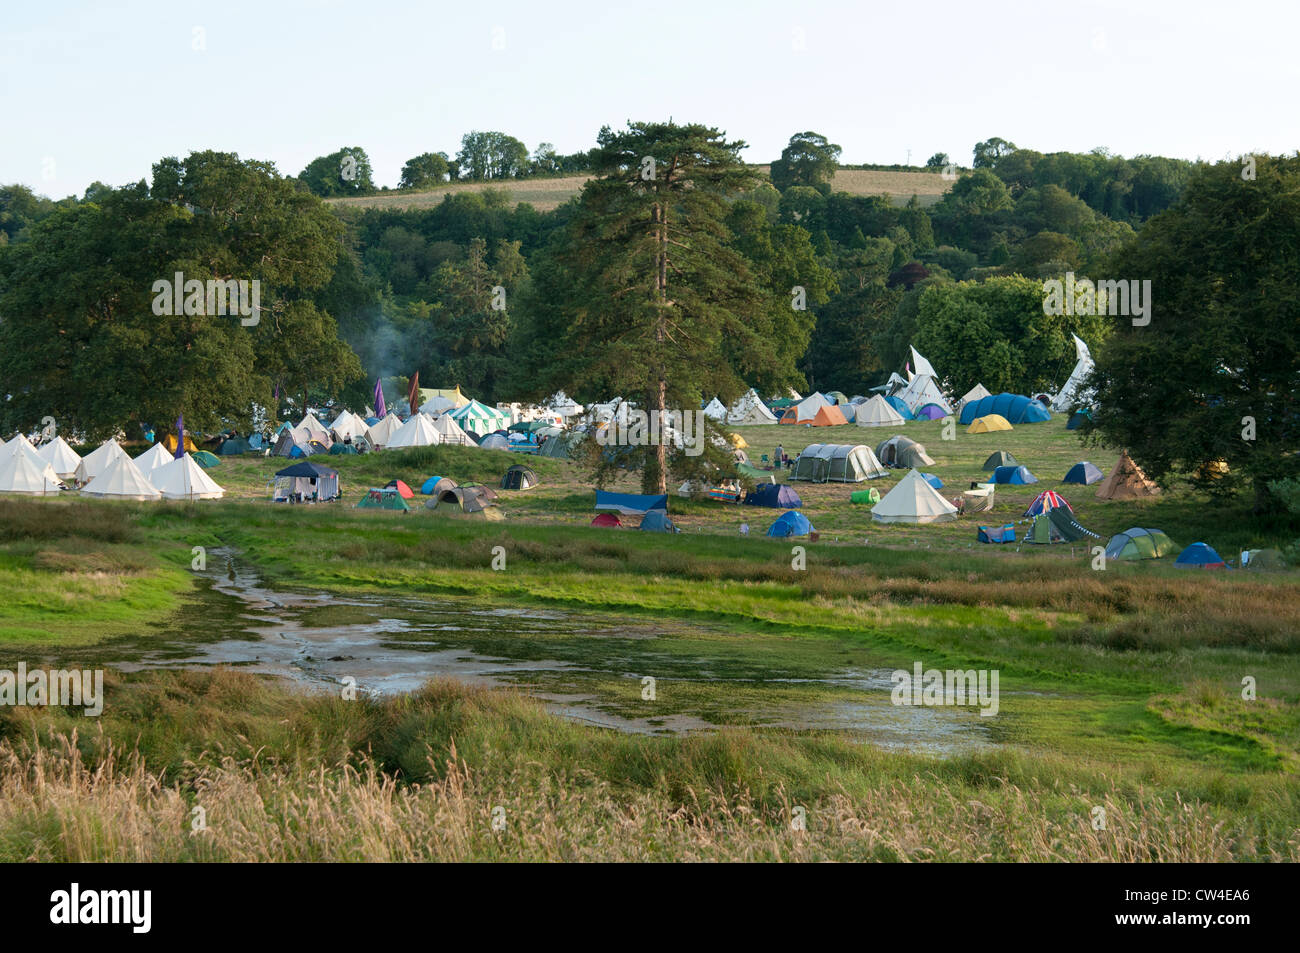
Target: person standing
(778,457)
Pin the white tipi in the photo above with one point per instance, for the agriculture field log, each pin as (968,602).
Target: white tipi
(913,500)
(122,480)
(183,479)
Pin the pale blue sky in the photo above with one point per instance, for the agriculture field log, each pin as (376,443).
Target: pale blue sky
(102,90)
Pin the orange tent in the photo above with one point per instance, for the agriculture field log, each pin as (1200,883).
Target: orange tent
(829,416)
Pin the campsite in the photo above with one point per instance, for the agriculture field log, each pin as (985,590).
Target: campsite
(665,488)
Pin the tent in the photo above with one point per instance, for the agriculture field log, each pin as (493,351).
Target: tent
(657,521)
(1073,392)
(62,459)
(715,410)
(877,412)
(518,477)
(901,408)
(494,441)
(383,498)
(606,519)
(1126,481)
(630,504)
(169,442)
(1056,526)
(450,431)
(307,449)
(790,524)
(989,423)
(309,429)
(1199,556)
(122,480)
(559,446)
(750,410)
(479,419)
(828,415)
(912,500)
(206,460)
(564,406)
(1077,419)
(1047,500)
(436,485)
(348,426)
(755,474)
(978,392)
(1002,534)
(312,481)
(234,445)
(1016,408)
(1263,560)
(1083,473)
(98,460)
(470,498)
(184,479)
(869,495)
(441,397)
(836,397)
(848,410)
(404,491)
(804,411)
(933,480)
(1000,458)
(19,474)
(923,390)
(931,412)
(416,432)
(776,495)
(343,449)
(285,445)
(1015,475)
(156,456)
(1138,543)
(899,451)
(838,462)
(383,431)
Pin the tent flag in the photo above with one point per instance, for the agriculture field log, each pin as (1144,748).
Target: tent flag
(380,410)
(413,395)
(180,437)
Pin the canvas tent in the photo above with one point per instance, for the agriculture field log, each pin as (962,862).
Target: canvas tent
(978,392)
(153,458)
(416,432)
(913,500)
(1016,408)
(877,412)
(479,419)
(1139,543)
(348,426)
(20,474)
(383,431)
(438,395)
(63,460)
(450,431)
(837,462)
(183,479)
(750,410)
(714,410)
(98,460)
(899,451)
(1126,481)
(310,480)
(309,428)
(1073,393)
(122,480)
(922,390)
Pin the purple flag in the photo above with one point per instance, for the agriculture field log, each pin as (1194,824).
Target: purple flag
(380,410)
(180,437)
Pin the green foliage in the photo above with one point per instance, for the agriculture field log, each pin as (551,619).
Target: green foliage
(425,171)
(807,160)
(345,172)
(1222,344)
(491,155)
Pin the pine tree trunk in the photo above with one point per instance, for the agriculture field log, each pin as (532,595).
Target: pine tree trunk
(658,474)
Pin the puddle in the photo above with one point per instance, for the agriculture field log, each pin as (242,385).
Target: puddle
(585,667)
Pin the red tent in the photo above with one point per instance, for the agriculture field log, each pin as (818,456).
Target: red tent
(402,489)
(607,519)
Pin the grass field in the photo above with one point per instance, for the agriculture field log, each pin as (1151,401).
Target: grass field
(1121,688)
(546,195)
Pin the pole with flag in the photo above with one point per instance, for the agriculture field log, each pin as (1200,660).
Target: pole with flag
(180,437)
(380,411)
(413,398)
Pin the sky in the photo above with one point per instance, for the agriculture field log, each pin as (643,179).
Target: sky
(100,91)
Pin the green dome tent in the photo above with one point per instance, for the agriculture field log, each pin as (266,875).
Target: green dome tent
(1138,543)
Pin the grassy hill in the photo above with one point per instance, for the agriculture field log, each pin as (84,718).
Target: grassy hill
(548,194)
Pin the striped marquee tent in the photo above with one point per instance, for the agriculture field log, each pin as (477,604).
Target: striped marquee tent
(478,418)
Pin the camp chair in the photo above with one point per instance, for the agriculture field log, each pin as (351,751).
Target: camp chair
(764,458)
